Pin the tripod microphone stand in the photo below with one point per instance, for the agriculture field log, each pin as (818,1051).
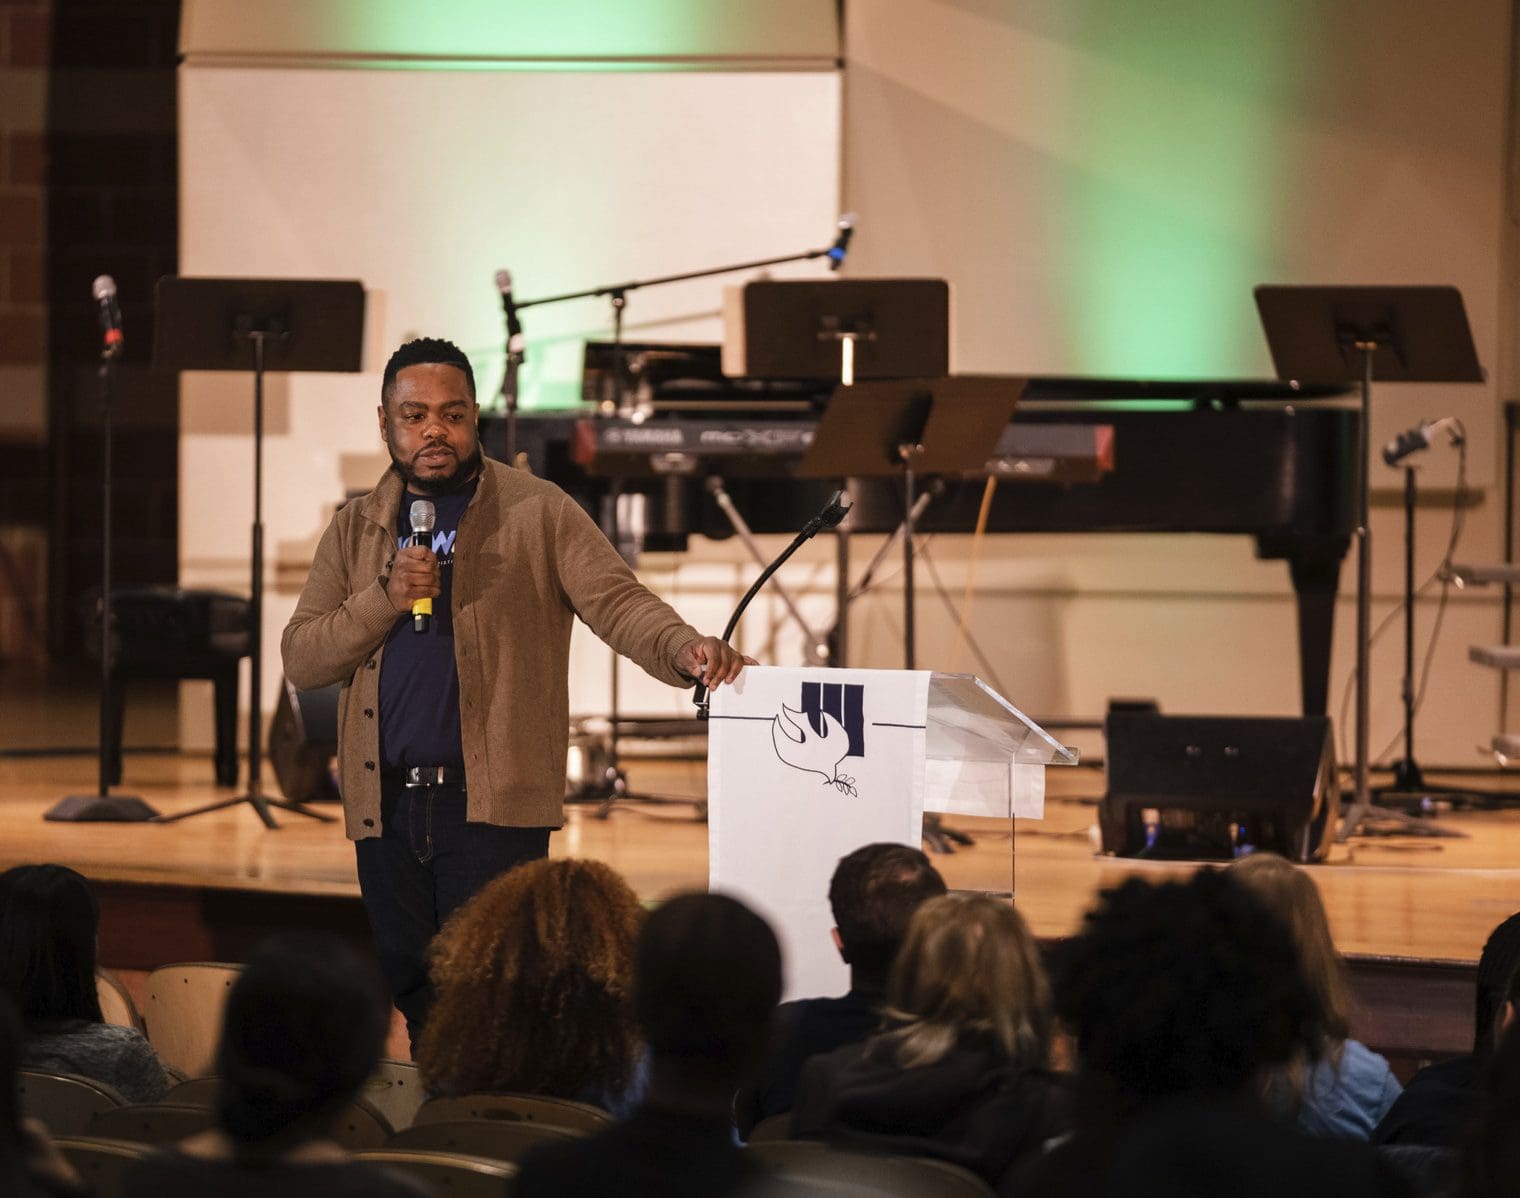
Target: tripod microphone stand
(1409,789)
(103,805)
(613,784)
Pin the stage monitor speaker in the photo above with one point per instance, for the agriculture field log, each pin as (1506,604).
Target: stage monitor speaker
(1218,787)
(303,740)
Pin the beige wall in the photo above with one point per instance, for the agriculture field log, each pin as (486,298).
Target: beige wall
(422,184)
(1082,170)
(977,137)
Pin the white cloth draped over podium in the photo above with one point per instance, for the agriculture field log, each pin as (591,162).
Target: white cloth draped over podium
(806,765)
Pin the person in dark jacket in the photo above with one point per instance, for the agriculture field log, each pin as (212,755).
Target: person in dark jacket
(707,976)
(873,894)
(960,1070)
(1184,998)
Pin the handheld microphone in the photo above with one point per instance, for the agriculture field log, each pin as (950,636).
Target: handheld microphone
(111,339)
(841,244)
(515,341)
(835,510)
(423,516)
(1418,438)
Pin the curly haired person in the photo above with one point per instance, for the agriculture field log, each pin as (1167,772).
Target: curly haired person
(535,989)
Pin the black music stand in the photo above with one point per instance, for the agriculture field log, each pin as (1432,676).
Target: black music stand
(847,329)
(910,427)
(260,325)
(1328,334)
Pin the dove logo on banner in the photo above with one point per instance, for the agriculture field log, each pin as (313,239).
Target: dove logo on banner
(827,727)
(804,766)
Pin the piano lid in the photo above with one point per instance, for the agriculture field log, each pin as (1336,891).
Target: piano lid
(689,374)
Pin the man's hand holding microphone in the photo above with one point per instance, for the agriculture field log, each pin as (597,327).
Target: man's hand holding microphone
(414,582)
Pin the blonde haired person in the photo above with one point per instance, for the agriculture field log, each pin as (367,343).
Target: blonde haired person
(535,989)
(1348,1090)
(960,1068)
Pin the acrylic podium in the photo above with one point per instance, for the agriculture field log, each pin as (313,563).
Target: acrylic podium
(806,765)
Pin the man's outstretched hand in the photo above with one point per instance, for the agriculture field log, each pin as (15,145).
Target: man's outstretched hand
(711,661)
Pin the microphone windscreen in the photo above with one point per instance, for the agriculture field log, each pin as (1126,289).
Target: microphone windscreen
(504,281)
(103,288)
(423,515)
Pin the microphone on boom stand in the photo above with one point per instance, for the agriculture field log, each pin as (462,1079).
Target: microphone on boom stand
(837,508)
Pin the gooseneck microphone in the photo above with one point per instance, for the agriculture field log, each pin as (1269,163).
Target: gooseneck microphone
(835,510)
(423,516)
(841,244)
(111,339)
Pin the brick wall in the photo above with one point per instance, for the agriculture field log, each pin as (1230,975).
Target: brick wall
(112,208)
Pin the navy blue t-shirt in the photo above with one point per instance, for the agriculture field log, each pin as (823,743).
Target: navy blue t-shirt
(419,678)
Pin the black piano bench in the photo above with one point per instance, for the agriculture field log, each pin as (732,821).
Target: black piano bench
(169,632)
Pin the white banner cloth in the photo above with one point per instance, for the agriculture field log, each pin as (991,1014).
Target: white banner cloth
(803,767)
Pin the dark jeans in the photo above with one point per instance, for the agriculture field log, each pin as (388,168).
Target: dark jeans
(426,862)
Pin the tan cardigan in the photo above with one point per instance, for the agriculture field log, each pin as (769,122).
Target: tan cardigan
(527,561)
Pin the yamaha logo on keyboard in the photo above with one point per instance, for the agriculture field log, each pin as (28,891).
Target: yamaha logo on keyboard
(644,436)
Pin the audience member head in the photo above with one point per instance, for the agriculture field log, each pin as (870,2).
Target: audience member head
(48,924)
(1294,899)
(968,968)
(1183,988)
(708,979)
(873,894)
(535,986)
(303,1029)
(1491,1164)
(1496,966)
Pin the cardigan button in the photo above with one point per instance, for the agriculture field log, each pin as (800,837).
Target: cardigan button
(369,823)
(369,713)
(369,765)
(370,664)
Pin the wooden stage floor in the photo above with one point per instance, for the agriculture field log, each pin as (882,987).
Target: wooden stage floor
(1406,897)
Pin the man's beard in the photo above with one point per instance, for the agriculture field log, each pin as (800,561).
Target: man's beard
(442,484)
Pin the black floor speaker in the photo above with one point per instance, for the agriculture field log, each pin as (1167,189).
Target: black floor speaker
(303,740)
(1218,787)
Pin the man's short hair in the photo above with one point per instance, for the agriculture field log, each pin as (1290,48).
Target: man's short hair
(874,892)
(707,978)
(421,352)
(1184,988)
(1497,964)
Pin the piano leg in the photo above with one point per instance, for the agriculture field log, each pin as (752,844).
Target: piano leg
(1315,567)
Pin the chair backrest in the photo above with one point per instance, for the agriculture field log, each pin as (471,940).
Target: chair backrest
(515,1108)
(359,1124)
(395,1090)
(448,1173)
(771,1128)
(194,1091)
(65,1103)
(150,1122)
(183,1013)
(116,1005)
(101,1164)
(841,1171)
(490,1138)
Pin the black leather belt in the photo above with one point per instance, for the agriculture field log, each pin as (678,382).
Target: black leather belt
(433,775)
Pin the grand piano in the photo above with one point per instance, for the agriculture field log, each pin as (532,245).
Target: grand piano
(1258,459)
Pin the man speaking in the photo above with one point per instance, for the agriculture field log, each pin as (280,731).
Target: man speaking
(453,730)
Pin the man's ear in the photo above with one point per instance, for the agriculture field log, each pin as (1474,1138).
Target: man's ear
(1508,1016)
(839,944)
(384,430)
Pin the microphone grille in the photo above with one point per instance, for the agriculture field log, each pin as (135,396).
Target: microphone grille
(504,280)
(103,288)
(423,515)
